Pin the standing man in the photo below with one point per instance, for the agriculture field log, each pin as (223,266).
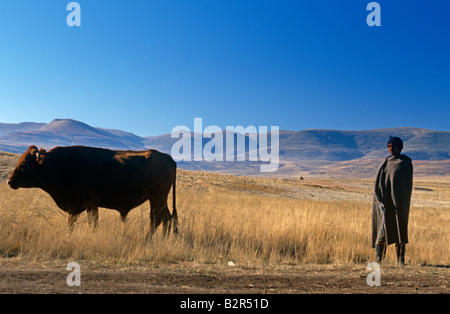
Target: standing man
(390,210)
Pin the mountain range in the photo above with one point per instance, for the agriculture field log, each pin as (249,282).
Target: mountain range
(295,147)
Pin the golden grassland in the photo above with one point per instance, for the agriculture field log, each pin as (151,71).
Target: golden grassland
(253,222)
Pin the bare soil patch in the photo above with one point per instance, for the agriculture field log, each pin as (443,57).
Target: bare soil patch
(193,278)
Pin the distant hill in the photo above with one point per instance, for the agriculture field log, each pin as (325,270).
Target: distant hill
(336,145)
(300,151)
(64,132)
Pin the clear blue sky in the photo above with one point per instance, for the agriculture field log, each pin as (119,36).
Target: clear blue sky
(146,66)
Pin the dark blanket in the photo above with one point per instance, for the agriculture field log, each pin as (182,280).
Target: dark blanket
(390,210)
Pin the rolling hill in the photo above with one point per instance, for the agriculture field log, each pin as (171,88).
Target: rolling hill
(306,151)
(63,132)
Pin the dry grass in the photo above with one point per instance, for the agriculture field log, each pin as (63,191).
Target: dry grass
(252,222)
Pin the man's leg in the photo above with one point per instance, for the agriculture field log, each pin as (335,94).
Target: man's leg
(381,249)
(400,249)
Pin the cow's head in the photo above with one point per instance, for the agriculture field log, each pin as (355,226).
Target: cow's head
(27,172)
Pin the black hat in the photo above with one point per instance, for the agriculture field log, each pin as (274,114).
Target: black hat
(397,141)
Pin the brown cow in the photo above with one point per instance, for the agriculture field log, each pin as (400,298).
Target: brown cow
(82,178)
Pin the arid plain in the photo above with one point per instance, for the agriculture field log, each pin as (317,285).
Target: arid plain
(237,235)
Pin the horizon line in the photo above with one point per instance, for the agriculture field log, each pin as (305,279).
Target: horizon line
(223,129)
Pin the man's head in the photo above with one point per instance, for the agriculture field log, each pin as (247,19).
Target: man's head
(394,145)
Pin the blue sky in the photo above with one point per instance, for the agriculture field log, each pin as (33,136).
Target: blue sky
(148,66)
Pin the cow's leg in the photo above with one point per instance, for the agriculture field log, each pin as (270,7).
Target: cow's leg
(72,219)
(166,216)
(155,219)
(93,218)
(123,219)
(166,220)
(159,213)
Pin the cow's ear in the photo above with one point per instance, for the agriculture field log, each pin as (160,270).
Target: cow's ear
(40,155)
(33,152)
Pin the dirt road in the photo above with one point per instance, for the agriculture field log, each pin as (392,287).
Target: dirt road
(192,278)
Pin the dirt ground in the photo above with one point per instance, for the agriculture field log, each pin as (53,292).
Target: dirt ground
(193,278)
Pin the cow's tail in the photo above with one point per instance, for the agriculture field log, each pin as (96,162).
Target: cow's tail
(174,211)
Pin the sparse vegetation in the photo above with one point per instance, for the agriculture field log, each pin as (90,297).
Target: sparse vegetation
(252,222)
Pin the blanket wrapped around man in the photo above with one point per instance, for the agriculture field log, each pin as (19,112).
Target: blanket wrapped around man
(391,202)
